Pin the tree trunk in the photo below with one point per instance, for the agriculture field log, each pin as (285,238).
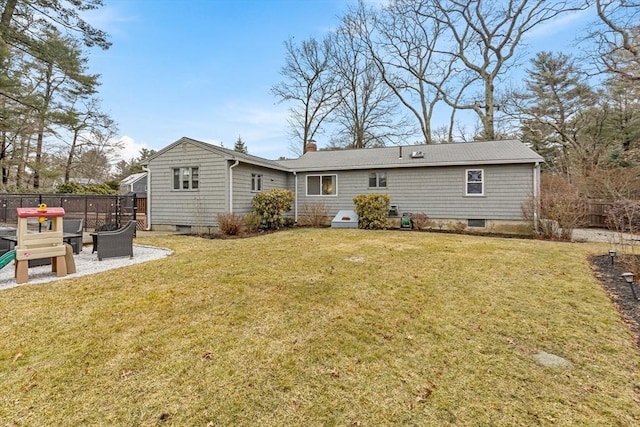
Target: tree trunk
(3,156)
(72,153)
(23,153)
(41,126)
(7,14)
(489,132)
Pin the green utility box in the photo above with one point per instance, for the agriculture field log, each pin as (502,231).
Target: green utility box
(405,221)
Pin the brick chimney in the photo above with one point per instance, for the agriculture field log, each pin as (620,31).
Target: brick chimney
(310,146)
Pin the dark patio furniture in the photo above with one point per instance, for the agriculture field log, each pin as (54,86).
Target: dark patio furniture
(73,226)
(118,243)
(104,227)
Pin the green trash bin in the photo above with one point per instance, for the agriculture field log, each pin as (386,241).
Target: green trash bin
(405,221)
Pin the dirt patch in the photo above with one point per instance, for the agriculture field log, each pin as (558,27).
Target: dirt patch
(619,291)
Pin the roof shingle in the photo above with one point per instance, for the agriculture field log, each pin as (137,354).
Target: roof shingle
(474,153)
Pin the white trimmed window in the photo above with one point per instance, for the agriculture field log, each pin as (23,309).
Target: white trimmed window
(185,178)
(322,185)
(378,180)
(256,182)
(475,182)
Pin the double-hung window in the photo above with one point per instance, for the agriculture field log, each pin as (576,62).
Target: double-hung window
(475,182)
(185,178)
(322,185)
(256,182)
(378,180)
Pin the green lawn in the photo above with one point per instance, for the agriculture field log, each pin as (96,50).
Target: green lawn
(323,327)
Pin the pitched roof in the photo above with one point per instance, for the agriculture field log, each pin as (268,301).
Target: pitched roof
(133,178)
(459,154)
(224,152)
(473,153)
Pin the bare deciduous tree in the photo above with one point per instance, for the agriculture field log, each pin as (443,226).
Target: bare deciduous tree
(367,114)
(486,36)
(618,40)
(97,152)
(310,85)
(402,40)
(80,120)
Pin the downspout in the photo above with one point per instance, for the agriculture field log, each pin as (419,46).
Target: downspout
(536,194)
(295,200)
(231,185)
(144,168)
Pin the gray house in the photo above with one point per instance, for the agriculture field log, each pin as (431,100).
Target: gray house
(134,183)
(480,184)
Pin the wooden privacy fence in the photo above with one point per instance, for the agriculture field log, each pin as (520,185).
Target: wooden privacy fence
(95,210)
(596,213)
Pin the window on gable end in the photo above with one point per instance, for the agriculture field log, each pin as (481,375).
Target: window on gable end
(186,178)
(474,182)
(256,182)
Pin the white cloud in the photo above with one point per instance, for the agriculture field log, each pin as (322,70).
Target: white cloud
(557,25)
(130,149)
(108,18)
(263,129)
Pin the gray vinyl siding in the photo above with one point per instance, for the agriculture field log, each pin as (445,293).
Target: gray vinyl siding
(242,194)
(437,191)
(188,207)
(140,186)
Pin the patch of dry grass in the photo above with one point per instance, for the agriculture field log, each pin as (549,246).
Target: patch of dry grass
(322,327)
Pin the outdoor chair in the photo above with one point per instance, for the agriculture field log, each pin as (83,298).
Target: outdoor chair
(110,226)
(74,226)
(118,243)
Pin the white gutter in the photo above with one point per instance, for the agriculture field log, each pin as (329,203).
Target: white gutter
(295,200)
(536,194)
(231,185)
(148,197)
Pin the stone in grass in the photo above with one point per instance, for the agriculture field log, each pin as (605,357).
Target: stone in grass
(549,360)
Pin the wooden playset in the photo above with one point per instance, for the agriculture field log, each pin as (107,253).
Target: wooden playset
(47,243)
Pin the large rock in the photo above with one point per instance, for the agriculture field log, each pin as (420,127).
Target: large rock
(549,360)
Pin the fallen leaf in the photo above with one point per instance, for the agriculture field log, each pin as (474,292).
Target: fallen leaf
(424,396)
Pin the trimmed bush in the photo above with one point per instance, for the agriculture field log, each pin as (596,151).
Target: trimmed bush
(271,205)
(75,188)
(372,210)
(252,222)
(421,221)
(229,224)
(314,214)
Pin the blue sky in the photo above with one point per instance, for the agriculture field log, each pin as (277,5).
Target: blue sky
(204,68)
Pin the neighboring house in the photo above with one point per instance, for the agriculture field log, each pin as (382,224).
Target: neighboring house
(479,184)
(134,183)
